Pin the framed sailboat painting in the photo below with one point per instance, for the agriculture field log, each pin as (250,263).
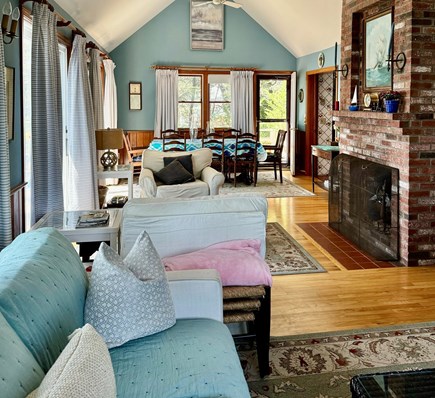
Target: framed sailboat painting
(378,45)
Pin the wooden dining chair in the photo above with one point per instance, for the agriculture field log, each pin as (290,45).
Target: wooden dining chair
(173,141)
(274,155)
(134,154)
(216,142)
(244,159)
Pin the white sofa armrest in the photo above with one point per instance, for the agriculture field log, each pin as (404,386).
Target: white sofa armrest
(196,294)
(213,178)
(147,183)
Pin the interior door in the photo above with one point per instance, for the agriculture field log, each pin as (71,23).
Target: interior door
(292,130)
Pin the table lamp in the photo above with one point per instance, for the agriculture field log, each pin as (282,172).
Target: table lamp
(109,139)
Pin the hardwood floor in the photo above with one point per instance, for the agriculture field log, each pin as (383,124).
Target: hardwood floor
(340,299)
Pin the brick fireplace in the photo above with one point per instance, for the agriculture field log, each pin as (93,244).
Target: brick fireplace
(404,140)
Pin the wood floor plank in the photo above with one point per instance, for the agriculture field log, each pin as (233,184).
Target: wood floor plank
(340,299)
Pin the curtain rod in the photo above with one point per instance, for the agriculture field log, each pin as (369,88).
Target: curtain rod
(64,23)
(177,67)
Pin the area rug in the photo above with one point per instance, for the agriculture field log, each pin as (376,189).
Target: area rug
(321,365)
(286,256)
(267,185)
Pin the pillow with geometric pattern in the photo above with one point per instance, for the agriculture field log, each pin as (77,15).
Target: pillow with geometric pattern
(128,299)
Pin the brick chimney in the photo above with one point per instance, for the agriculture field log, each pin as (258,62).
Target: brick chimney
(404,140)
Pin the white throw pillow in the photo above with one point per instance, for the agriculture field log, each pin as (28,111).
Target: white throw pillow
(129,299)
(83,369)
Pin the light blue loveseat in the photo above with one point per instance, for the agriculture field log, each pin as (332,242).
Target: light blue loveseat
(42,296)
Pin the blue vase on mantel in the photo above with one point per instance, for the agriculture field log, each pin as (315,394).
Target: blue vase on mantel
(392,106)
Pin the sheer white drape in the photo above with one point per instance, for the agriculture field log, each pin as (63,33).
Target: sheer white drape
(96,87)
(82,153)
(166,101)
(5,179)
(242,100)
(110,100)
(47,128)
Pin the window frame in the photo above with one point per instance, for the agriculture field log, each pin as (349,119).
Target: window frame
(205,94)
(200,102)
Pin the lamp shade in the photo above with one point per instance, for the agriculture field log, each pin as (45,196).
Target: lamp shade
(109,139)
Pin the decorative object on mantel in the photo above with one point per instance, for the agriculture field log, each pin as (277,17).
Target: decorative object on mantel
(7,11)
(378,42)
(354,103)
(391,100)
(400,59)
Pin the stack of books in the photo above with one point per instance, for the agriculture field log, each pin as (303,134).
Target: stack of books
(93,219)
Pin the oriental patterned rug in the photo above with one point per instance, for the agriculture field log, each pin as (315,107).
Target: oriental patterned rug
(268,186)
(286,256)
(321,365)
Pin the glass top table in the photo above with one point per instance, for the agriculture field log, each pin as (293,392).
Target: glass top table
(408,384)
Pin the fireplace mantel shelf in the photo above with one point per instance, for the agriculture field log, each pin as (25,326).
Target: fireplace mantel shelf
(372,115)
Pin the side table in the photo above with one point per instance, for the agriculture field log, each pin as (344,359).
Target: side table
(66,223)
(119,171)
(322,151)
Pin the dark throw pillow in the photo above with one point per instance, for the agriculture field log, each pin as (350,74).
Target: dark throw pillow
(185,160)
(174,173)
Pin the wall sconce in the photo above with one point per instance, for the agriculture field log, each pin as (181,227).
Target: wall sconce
(400,61)
(7,11)
(344,70)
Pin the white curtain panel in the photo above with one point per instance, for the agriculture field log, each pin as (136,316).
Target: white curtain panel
(242,100)
(46,114)
(5,182)
(82,166)
(110,99)
(166,101)
(96,87)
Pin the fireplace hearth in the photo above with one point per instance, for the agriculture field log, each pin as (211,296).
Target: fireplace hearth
(364,205)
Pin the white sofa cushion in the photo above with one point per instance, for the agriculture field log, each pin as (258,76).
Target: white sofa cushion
(83,369)
(186,190)
(182,225)
(129,299)
(201,158)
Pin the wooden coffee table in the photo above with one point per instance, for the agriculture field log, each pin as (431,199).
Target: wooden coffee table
(66,223)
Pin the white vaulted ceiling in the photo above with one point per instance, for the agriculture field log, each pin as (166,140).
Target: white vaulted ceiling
(301,26)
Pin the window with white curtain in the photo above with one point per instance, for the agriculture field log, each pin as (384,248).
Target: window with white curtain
(27,109)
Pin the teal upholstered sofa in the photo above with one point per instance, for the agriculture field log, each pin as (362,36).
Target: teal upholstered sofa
(42,296)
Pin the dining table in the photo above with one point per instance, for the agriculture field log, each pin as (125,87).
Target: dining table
(230,146)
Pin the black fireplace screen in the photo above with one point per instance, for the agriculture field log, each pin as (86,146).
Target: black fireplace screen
(364,205)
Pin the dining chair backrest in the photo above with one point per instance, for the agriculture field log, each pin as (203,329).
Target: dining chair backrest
(280,142)
(216,142)
(231,132)
(173,141)
(246,145)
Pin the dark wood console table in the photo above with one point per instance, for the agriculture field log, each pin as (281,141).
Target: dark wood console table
(322,151)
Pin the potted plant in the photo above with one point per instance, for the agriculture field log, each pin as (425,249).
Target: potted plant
(391,100)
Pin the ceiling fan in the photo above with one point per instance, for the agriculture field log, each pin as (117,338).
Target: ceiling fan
(219,2)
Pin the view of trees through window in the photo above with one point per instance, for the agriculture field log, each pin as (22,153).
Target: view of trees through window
(272,108)
(220,104)
(189,101)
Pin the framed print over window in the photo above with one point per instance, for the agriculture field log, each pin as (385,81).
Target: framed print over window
(135,96)
(378,39)
(206,25)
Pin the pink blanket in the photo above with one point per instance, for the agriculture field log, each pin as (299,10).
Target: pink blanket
(239,262)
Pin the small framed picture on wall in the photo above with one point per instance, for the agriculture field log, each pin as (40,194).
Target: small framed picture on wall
(135,96)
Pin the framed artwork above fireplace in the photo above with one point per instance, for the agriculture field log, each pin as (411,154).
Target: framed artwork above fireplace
(378,39)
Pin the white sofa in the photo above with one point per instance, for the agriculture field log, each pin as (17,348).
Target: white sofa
(208,181)
(182,225)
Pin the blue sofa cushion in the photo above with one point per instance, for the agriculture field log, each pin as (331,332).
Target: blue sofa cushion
(42,292)
(19,371)
(195,358)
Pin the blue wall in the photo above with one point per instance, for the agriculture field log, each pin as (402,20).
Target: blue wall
(308,63)
(165,41)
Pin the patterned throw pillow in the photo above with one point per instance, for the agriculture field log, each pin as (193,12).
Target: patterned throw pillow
(83,369)
(128,299)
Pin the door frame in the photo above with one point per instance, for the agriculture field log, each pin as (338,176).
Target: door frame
(311,113)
